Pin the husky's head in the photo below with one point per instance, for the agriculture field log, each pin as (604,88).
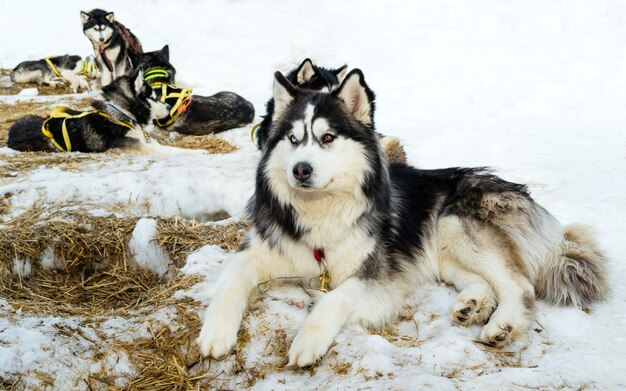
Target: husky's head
(322,143)
(158,60)
(98,26)
(135,96)
(312,77)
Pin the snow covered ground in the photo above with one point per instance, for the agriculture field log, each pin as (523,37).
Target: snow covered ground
(535,89)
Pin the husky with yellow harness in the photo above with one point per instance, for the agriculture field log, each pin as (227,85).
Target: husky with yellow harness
(117,122)
(57,70)
(192,114)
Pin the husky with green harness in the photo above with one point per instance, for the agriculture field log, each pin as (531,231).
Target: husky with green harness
(56,71)
(195,114)
(191,113)
(117,122)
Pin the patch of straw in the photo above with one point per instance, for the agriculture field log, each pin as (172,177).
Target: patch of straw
(23,162)
(210,143)
(182,237)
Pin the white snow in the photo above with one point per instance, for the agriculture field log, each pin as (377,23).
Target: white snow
(143,245)
(535,89)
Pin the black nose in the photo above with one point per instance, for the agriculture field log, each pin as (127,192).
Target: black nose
(302,171)
(101,39)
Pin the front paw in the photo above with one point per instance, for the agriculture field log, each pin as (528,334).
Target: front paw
(217,337)
(309,346)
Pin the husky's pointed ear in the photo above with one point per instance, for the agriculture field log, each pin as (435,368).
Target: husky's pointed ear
(84,16)
(110,17)
(166,52)
(138,82)
(341,72)
(357,97)
(305,71)
(284,94)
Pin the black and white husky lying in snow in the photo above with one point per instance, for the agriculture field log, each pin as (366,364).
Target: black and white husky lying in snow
(56,70)
(117,122)
(328,204)
(193,114)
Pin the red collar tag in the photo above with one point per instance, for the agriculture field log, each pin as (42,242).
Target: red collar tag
(318,254)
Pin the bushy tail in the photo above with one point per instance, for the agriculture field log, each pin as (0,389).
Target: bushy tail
(577,275)
(393,149)
(26,135)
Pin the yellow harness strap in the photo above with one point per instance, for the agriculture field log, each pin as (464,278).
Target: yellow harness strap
(182,101)
(51,65)
(253,131)
(61,112)
(85,70)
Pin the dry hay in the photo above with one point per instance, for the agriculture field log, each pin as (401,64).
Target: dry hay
(82,242)
(94,269)
(97,279)
(28,161)
(5,202)
(181,237)
(210,143)
(15,88)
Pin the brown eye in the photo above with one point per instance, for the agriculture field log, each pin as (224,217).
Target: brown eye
(328,138)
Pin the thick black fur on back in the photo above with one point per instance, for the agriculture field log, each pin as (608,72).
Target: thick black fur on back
(25,135)
(136,103)
(322,78)
(213,114)
(92,133)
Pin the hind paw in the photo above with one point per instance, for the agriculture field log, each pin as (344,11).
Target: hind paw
(469,310)
(497,336)
(504,326)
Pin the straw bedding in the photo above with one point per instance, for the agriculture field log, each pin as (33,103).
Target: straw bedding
(95,278)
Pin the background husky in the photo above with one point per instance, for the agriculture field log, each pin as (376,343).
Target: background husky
(306,76)
(213,114)
(160,60)
(116,49)
(72,68)
(128,99)
(205,114)
(326,195)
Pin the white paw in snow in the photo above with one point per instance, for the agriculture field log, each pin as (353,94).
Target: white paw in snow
(309,346)
(217,337)
(473,306)
(504,326)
